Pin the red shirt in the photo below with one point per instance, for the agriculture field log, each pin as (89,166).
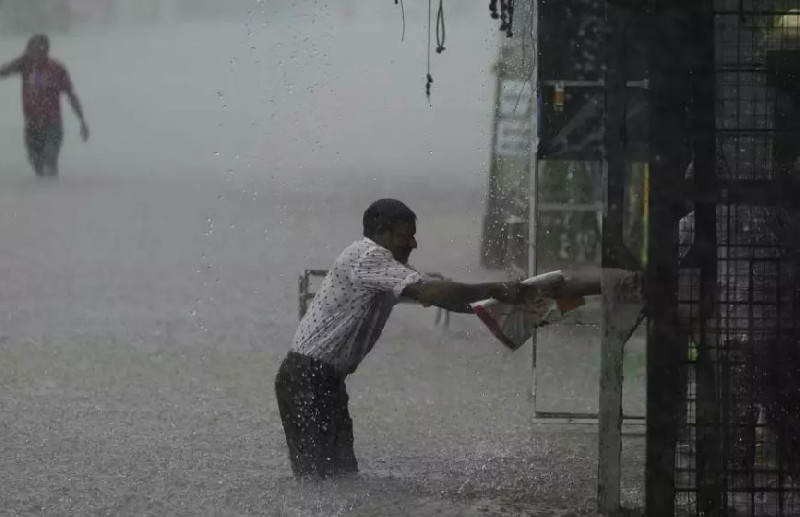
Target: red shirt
(42,85)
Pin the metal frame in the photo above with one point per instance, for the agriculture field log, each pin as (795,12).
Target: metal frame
(715,412)
(618,325)
(304,284)
(536,207)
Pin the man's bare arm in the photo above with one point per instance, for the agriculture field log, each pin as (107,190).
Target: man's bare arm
(460,309)
(457,297)
(566,284)
(75,102)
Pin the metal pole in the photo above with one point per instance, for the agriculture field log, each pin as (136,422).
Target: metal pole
(670,80)
(533,193)
(620,313)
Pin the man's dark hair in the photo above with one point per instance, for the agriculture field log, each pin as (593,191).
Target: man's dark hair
(384,214)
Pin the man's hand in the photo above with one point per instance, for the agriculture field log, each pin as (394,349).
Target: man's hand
(517,293)
(84,131)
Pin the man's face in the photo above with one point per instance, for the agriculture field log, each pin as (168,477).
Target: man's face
(37,52)
(400,241)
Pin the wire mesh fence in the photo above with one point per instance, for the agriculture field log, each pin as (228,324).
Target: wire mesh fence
(738,293)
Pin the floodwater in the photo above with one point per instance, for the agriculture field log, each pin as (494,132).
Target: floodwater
(148,295)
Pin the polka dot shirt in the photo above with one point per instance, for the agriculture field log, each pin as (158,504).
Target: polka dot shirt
(351,307)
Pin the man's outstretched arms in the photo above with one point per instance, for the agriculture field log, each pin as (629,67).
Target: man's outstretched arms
(457,297)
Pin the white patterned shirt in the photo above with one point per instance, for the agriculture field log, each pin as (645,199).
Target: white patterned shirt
(351,307)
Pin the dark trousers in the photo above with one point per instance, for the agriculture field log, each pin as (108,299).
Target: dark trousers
(312,400)
(43,142)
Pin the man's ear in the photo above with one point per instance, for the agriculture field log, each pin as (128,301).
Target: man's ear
(381,235)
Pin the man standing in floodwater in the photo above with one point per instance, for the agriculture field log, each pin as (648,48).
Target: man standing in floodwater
(345,320)
(43,81)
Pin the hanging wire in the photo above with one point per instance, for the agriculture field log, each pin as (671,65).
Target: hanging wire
(429,79)
(440,34)
(493,9)
(403,15)
(505,14)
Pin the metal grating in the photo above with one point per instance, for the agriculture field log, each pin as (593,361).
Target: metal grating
(738,431)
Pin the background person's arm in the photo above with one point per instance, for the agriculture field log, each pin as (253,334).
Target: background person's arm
(75,102)
(14,67)
(78,109)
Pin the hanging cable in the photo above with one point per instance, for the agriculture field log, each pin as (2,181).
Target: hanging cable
(493,9)
(440,27)
(429,80)
(403,15)
(505,14)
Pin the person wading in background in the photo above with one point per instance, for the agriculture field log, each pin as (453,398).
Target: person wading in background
(43,81)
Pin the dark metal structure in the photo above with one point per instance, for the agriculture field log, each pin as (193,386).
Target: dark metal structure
(722,279)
